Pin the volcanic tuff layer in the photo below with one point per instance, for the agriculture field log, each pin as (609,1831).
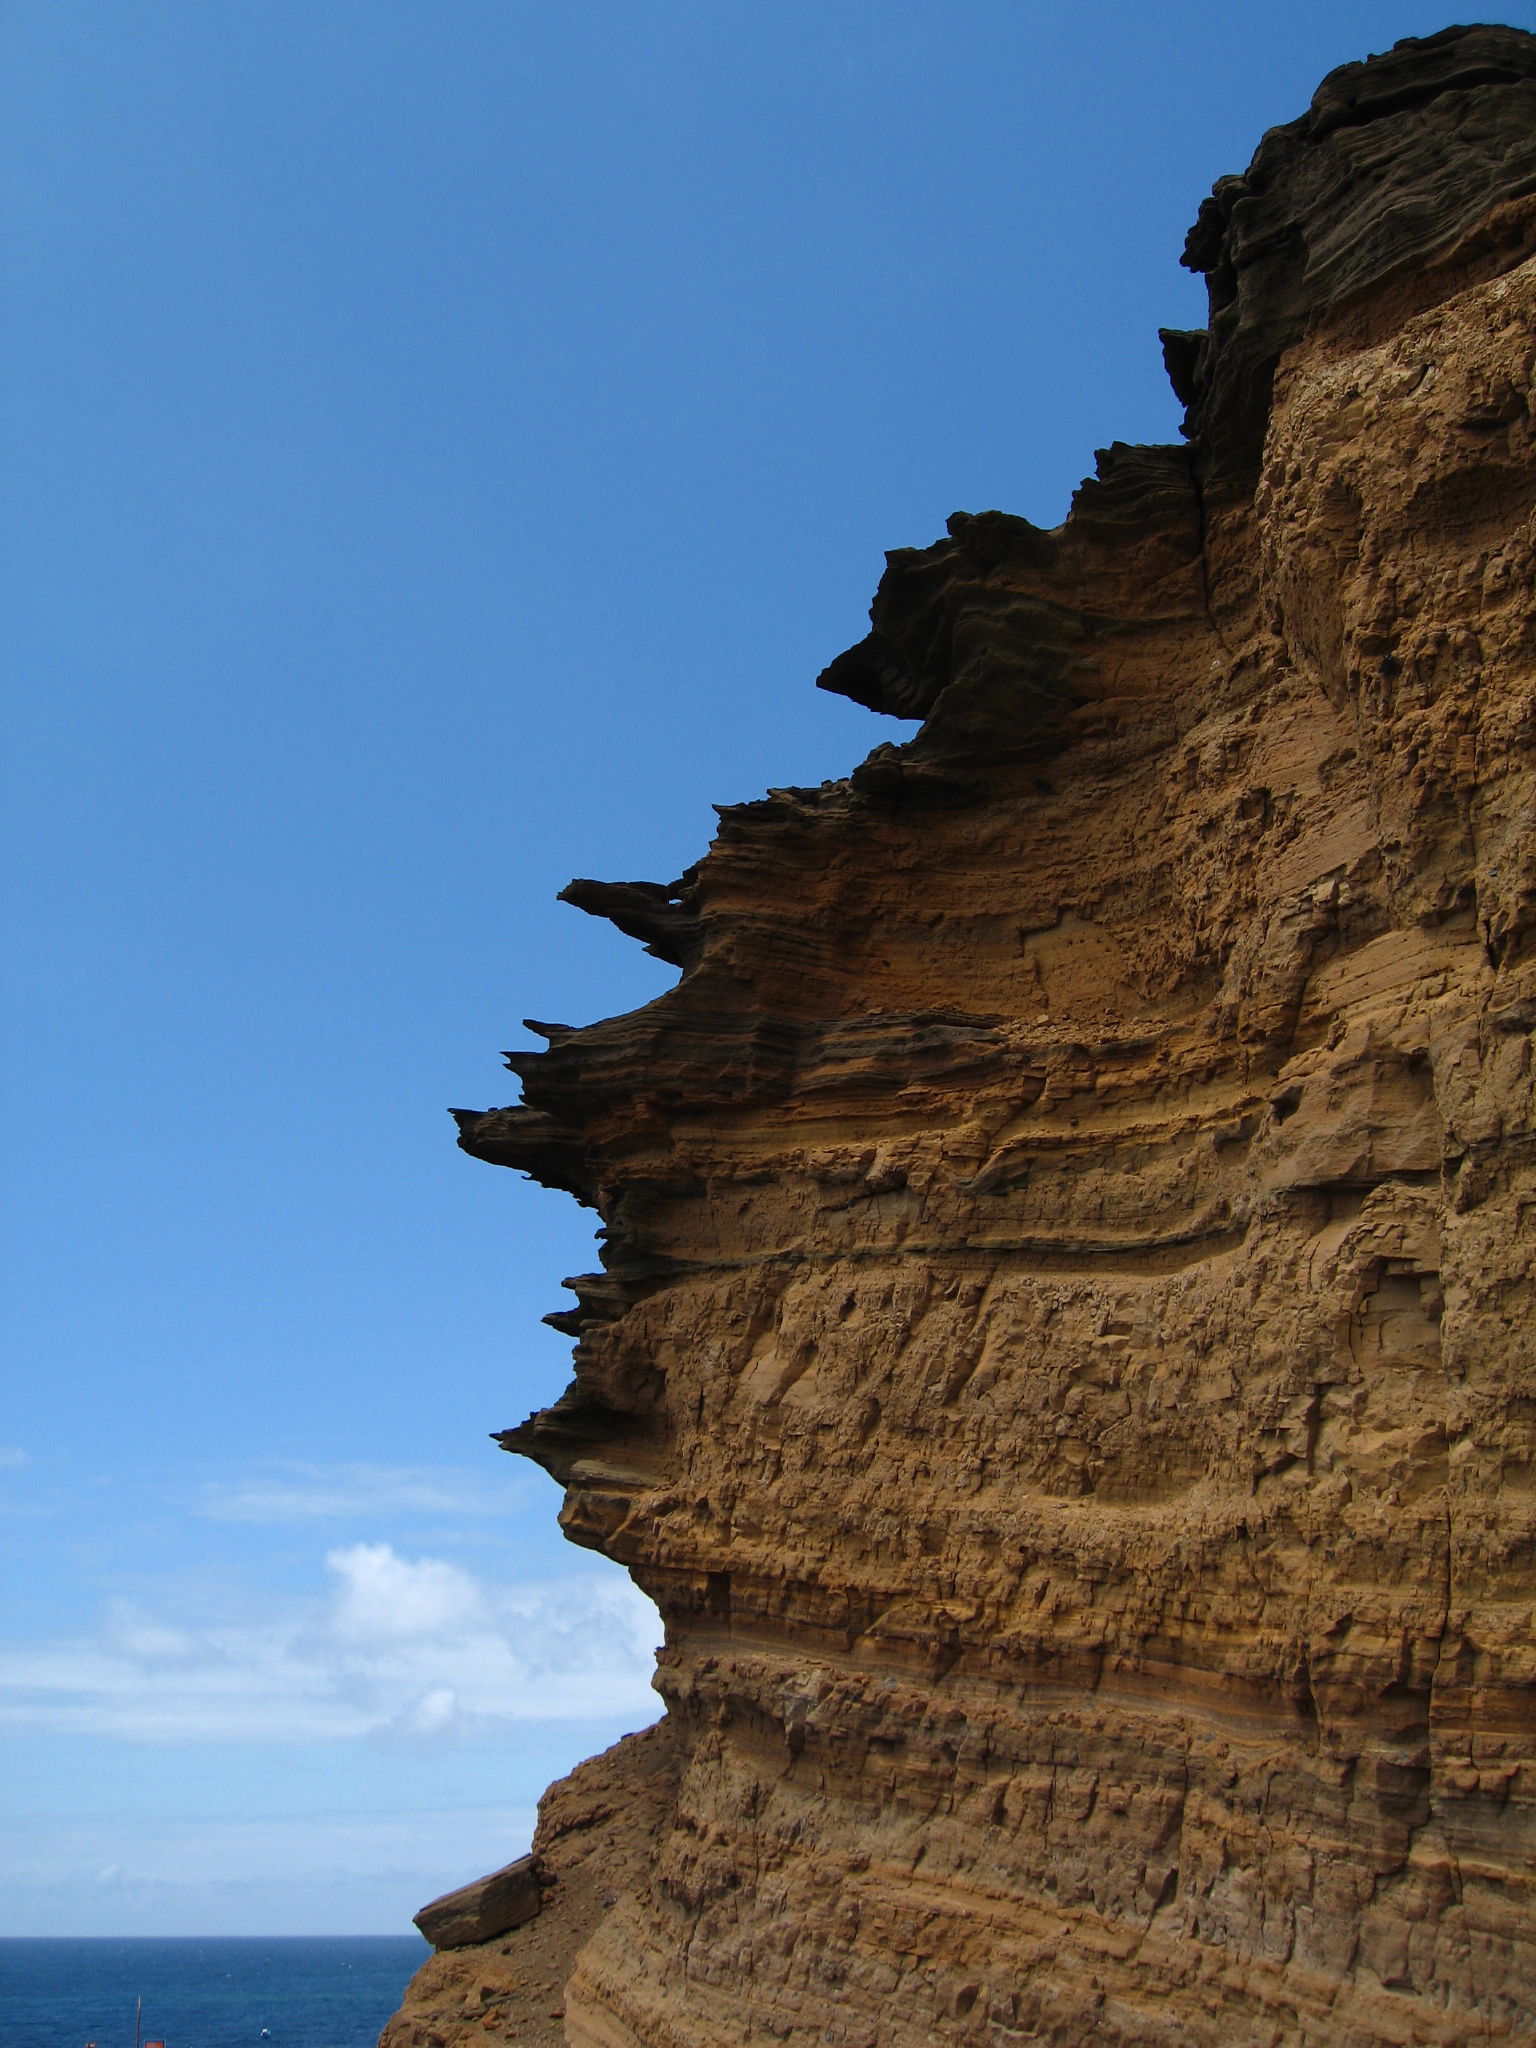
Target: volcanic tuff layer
(1062,1362)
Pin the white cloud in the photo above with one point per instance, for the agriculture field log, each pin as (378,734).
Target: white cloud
(11,1455)
(411,1649)
(295,1492)
(385,1598)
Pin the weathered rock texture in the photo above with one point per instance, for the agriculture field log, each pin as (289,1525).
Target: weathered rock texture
(478,1912)
(1063,1359)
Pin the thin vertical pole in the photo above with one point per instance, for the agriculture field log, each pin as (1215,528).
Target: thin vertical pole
(138,2023)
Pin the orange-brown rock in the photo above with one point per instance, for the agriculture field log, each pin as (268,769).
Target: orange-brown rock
(1063,1363)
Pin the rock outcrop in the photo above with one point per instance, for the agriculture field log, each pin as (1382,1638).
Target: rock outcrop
(478,1912)
(1063,1359)
(596,1839)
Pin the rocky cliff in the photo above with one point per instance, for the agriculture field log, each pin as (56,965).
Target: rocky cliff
(1063,1359)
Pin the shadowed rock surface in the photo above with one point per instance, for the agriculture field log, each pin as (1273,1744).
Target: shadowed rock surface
(1063,1360)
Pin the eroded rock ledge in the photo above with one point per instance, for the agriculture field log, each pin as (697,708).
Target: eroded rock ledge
(1063,1357)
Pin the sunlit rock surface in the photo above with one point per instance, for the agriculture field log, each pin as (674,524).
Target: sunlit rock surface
(1063,1363)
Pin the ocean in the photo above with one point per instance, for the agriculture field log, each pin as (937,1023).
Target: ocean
(305,1992)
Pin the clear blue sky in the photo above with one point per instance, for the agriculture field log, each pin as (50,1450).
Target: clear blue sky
(443,443)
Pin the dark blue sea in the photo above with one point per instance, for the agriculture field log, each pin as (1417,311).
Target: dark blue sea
(304,1992)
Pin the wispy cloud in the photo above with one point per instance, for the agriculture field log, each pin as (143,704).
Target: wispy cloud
(340,1872)
(317,1493)
(402,1649)
(200,1852)
(11,1455)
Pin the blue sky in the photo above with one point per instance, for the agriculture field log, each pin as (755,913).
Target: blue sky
(444,443)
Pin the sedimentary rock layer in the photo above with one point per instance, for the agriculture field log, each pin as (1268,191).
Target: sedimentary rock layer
(1062,1362)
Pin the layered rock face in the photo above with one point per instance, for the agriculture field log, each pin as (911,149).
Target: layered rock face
(1063,1360)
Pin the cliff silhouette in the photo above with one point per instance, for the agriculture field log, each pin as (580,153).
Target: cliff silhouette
(1062,1362)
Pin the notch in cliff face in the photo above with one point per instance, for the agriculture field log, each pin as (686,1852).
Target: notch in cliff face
(1061,1363)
